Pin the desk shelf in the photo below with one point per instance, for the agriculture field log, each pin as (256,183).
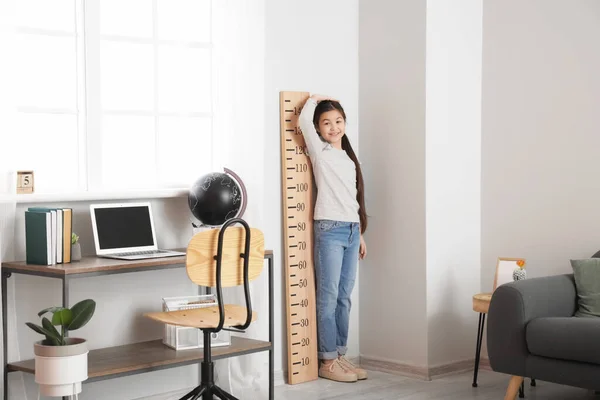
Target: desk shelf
(137,358)
(130,359)
(96,266)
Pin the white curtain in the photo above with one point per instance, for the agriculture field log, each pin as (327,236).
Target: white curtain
(7,244)
(238,68)
(8,150)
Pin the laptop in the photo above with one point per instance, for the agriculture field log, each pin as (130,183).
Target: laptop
(126,232)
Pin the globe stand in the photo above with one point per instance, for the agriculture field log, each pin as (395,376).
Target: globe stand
(240,213)
(202,228)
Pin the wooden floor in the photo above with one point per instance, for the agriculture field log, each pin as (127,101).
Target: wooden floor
(380,386)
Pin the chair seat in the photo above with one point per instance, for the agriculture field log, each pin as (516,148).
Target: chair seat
(203,317)
(565,338)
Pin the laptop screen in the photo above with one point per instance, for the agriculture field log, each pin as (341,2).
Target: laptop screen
(121,227)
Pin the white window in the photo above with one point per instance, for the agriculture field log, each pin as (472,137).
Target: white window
(112,94)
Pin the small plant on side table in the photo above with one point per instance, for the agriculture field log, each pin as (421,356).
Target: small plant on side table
(58,352)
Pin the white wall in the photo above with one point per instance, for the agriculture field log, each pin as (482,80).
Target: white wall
(311,46)
(392,140)
(541,134)
(453,176)
(420,92)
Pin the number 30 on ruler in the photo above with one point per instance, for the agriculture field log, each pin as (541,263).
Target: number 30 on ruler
(297,227)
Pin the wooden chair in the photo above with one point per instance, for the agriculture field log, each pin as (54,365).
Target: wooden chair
(219,258)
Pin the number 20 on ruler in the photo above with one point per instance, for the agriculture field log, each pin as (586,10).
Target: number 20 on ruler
(297,206)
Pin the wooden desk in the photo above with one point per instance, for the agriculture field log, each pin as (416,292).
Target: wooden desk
(137,358)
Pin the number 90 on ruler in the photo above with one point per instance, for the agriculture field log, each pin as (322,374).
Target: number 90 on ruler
(297,183)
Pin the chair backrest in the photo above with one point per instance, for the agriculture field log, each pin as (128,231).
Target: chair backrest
(201,265)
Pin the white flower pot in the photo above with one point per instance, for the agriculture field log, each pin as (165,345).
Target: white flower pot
(60,370)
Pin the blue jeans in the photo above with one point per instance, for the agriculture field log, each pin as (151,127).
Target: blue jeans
(336,258)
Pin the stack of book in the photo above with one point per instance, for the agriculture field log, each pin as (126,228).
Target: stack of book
(48,235)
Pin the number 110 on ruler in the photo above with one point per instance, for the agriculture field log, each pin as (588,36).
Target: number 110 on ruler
(298,243)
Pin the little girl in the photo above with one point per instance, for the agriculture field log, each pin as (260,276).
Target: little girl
(340,220)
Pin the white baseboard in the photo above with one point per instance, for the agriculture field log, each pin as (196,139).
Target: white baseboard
(419,372)
(484,363)
(279,378)
(412,371)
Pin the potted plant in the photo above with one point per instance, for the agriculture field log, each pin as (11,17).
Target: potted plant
(61,361)
(75,247)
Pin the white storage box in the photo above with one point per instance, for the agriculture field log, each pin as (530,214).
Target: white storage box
(182,338)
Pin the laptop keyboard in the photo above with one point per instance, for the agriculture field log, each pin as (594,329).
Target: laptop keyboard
(141,253)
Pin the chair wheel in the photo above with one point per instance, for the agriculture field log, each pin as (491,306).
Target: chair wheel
(474,385)
(533,382)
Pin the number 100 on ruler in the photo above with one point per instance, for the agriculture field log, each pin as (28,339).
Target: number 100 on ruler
(298,243)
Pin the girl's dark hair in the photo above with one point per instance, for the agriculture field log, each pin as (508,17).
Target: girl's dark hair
(329,105)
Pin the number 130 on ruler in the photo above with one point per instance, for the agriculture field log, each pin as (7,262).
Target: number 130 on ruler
(298,243)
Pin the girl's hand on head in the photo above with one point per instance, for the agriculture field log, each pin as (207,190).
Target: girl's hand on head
(319,98)
(362,251)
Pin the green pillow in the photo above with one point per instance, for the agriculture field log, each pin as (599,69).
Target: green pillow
(587,281)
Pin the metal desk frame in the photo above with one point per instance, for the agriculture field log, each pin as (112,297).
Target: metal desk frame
(66,278)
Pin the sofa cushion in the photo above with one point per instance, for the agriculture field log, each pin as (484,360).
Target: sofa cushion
(587,281)
(566,338)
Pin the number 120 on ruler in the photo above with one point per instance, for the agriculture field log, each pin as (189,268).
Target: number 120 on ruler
(298,243)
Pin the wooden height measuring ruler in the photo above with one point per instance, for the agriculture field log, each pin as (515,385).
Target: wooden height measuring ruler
(303,363)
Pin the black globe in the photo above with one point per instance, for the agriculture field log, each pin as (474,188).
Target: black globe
(215,198)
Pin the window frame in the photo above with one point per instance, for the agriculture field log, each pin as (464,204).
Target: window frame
(89,110)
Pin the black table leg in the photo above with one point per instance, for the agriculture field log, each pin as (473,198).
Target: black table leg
(271,331)
(5,276)
(532,382)
(480,330)
(522,390)
(65,304)
(65,293)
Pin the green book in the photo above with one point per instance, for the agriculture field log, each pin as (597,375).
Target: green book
(38,237)
(57,231)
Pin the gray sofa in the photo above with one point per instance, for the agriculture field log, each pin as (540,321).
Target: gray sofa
(532,333)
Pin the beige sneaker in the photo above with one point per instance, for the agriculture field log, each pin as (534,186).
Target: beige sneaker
(336,372)
(360,373)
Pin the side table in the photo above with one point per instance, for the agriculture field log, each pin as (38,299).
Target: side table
(481,305)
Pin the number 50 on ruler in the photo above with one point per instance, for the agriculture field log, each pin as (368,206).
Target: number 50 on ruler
(298,243)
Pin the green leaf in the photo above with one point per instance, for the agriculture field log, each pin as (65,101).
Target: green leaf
(82,313)
(50,309)
(43,331)
(54,342)
(62,317)
(56,337)
(36,328)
